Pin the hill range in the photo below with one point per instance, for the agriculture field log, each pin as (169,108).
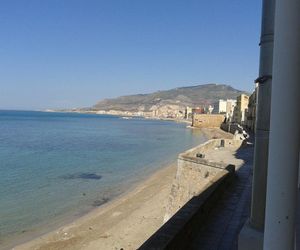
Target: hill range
(193,96)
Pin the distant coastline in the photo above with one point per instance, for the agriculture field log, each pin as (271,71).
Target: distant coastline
(174,104)
(119,114)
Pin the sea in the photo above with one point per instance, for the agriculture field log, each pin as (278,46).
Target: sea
(55,167)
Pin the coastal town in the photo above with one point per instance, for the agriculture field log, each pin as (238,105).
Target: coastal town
(235,107)
(241,110)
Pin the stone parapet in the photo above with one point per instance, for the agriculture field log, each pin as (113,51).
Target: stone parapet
(195,174)
(200,180)
(178,231)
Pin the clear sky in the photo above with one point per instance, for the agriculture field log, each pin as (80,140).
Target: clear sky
(72,53)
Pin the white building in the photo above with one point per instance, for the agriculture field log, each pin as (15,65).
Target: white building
(225,106)
(222,106)
(230,104)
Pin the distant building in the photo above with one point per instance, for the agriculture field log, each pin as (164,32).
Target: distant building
(224,106)
(210,109)
(251,112)
(167,111)
(198,110)
(230,105)
(188,113)
(220,107)
(239,113)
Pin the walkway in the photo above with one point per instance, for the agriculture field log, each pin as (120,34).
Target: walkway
(221,229)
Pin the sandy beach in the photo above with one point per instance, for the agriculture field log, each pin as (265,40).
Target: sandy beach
(124,223)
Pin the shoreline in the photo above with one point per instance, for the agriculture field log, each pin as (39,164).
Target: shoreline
(63,220)
(61,235)
(141,208)
(121,116)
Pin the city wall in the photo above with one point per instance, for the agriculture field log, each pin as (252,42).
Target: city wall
(207,120)
(198,184)
(195,174)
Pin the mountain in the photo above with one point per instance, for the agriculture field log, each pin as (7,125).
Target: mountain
(193,96)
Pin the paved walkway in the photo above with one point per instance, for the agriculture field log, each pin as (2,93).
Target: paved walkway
(221,229)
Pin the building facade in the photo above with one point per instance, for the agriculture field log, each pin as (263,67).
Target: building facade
(251,111)
(239,113)
(220,107)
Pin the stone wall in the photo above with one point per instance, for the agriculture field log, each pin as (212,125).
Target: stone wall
(195,174)
(207,120)
(209,145)
(183,226)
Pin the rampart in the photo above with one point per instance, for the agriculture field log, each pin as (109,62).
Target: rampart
(207,120)
(196,171)
(200,179)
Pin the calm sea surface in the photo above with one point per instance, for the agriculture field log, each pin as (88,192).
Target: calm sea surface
(58,166)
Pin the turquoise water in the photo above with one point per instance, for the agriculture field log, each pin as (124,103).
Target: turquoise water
(55,166)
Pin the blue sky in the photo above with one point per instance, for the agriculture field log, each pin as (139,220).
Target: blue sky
(71,53)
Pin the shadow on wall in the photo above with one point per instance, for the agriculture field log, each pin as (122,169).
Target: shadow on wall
(185,224)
